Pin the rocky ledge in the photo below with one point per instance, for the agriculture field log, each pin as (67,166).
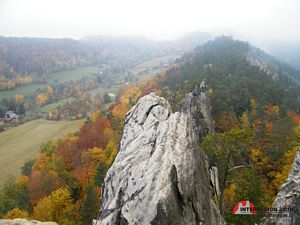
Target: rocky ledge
(160,176)
(288,199)
(24,222)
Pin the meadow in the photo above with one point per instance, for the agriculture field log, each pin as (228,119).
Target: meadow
(73,75)
(59,77)
(151,67)
(21,143)
(52,106)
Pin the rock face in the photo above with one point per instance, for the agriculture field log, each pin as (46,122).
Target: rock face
(288,198)
(196,107)
(159,176)
(24,222)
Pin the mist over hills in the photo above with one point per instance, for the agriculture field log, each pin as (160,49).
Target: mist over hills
(27,60)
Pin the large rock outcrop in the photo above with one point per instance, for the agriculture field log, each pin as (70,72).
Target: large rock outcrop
(197,108)
(160,176)
(24,222)
(287,201)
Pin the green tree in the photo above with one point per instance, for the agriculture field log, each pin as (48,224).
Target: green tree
(248,187)
(49,147)
(14,195)
(27,167)
(106,98)
(228,151)
(100,173)
(89,206)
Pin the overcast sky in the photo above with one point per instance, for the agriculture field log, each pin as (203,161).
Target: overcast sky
(159,19)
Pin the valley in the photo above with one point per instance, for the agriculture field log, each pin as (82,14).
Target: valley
(237,106)
(13,138)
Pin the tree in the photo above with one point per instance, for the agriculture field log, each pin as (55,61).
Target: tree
(14,195)
(106,159)
(20,99)
(49,147)
(106,98)
(92,134)
(247,187)
(41,99)
(100,173)
(56,207)
(228,151)
(16,213)
(89,207)
(27,167)
(41,184)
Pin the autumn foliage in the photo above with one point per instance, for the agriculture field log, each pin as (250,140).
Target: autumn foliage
(63,184)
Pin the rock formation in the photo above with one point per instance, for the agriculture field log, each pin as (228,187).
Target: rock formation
(160,176)
(197,108)
(24,222)
(287,201)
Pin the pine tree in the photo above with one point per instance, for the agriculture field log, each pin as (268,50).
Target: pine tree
(100,173)
(106,98)
(89,207)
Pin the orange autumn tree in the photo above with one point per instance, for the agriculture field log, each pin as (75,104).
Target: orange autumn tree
(86,171)
(92,134)
(41,99)
(41,184)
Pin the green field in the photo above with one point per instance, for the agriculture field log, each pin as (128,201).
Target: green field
(152,67)
(60,77)
(73,75)
(27,90)
(52,106)
(21,143)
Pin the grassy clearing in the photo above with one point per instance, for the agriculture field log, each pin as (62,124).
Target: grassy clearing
(27,90)
(73,75)
(52,106)
(152,67)
(21,143)
(60,77)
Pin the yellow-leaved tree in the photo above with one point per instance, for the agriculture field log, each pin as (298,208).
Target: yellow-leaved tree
(56,207)
(16,213)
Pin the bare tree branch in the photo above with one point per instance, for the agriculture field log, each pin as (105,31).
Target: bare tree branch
(238,167)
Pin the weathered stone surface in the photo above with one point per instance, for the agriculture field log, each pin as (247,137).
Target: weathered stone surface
(214,178)
(289,198)
(24,222)
(159,175)
(196,106)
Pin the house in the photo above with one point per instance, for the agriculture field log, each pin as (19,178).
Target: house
(112,95)
(10,116)
(166,65)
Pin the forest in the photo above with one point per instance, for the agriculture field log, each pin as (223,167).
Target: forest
(255,111)
(66,176)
